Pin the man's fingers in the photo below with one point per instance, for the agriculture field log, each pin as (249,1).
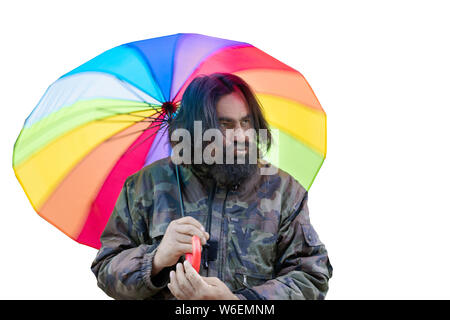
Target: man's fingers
(185,247)
(194,222)
(183,283)
(193,277)
(191,220)
(174,287)
(192,231)
(183,238)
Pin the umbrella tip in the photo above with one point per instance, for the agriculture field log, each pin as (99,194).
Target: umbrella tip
(169,107)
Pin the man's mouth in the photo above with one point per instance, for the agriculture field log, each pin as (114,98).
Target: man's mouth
(241,150)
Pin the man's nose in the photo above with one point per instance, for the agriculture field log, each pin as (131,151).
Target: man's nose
(239,135)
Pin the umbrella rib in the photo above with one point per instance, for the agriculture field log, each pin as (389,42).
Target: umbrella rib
(153,118)
(149,68)
(141,142)
(63,119)
(132,133)
(142,120)
(147,119)
(128,113)
(72,116)
(126,84)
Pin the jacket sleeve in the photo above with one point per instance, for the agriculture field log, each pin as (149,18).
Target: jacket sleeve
(303,269)
(123,264)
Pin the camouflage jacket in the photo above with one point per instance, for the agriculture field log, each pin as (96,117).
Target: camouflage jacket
(266,245)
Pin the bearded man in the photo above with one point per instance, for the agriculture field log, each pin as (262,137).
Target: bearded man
(252,220)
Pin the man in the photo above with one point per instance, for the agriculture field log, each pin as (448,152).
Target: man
(258,241)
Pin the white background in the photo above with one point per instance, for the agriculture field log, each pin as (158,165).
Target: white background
(380,70)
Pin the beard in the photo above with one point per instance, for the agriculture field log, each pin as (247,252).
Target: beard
(228,175)
(231,175)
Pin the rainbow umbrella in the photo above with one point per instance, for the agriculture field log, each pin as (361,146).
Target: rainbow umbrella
(104,121)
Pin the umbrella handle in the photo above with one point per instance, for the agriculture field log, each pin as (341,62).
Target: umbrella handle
(195,257)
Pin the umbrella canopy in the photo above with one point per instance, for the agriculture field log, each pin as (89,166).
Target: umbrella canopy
(103,121)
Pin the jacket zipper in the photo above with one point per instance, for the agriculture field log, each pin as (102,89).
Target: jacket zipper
(209,220)
(223,251)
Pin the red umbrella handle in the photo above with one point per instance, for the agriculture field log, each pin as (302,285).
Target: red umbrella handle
(195,257)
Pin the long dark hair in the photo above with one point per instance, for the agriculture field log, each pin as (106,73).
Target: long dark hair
(199,103)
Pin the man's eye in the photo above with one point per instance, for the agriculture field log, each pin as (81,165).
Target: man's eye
(245,123)
(227,125)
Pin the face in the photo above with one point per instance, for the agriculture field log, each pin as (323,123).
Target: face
(235,119)
(234,116)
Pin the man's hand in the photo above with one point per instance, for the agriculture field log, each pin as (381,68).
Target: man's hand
(187,284)
(177,241)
